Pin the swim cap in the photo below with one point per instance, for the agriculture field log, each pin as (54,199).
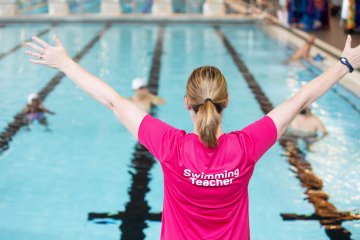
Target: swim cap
(31,97)
(138,83)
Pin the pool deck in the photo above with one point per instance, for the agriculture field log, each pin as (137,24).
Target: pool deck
(297,38)
(336,35)
(132,18)
(329,43)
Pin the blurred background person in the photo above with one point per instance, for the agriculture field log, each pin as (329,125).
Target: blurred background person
(307,126)
(35,111)
(142,97)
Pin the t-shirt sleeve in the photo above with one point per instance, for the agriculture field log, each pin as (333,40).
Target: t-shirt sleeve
(158,137)
(259,137)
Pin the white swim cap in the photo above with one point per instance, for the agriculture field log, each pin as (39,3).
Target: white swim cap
(138,83)
(31,97)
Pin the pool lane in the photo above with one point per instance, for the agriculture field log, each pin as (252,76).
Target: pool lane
(11,86)
(85,162)
(14,126)
(12,33)
(137,210)
(4,54)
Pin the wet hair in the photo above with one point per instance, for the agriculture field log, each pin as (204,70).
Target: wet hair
(206,91)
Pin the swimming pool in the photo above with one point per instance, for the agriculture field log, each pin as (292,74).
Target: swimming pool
(51,181)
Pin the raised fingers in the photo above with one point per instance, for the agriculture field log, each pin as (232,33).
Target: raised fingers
(41,42)
(35,47)
(57,41)
(348,42)
(41,62)
(35,54)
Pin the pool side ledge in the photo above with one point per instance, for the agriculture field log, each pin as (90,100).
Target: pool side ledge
(297,38)
(131,18)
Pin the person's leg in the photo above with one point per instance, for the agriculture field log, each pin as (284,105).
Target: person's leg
(43,121)
(308,46)
(304,51)
(27,121)
(299,54)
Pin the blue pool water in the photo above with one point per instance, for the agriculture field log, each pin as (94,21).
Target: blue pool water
(50,181)
(93,6)
(75,6)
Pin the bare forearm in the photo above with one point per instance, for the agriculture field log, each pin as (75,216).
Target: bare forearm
(321,84)
(94,86)
(157,100)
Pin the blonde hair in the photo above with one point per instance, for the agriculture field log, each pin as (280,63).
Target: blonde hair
(206,91)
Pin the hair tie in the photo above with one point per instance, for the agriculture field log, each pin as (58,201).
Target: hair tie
(208,99)
(218,107)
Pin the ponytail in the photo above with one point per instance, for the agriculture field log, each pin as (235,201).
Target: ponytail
(206,91)
(207,123)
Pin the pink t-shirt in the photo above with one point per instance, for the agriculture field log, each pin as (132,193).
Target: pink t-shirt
(206,190)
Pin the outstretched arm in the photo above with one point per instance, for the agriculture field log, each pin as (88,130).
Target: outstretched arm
(44,109)
(156,100)
(56,57)
(283,114)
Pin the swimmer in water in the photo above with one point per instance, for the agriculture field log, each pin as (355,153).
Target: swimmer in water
(35,110)
(304,51)
(143,98)
(307,126)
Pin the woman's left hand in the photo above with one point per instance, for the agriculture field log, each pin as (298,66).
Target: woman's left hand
(351,54)
(51,56)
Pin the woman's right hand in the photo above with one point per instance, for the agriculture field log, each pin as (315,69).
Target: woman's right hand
(351,54)
(51,56)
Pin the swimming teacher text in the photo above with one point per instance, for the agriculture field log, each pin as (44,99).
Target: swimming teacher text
(212,180)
